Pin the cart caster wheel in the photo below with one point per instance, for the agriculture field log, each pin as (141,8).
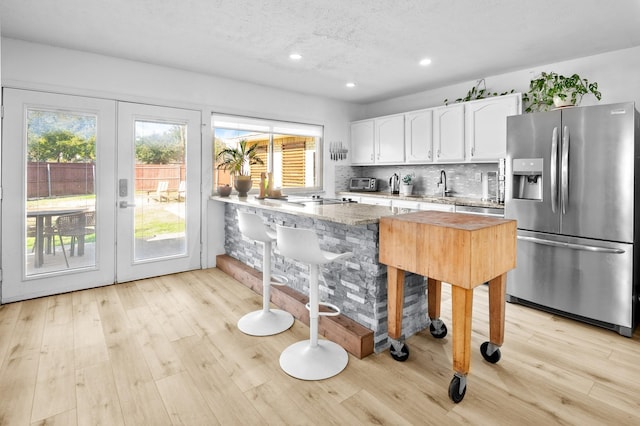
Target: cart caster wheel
(401,354)
(455,394)
(439,332)
(493,357)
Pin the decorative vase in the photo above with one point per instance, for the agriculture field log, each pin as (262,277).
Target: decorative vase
(558,102)
(224,190)
(406,189)
(242,185)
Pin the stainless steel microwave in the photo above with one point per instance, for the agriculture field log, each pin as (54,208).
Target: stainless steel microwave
(363,184)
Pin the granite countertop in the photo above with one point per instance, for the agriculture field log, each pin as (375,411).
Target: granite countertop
(460,201)
(347,214)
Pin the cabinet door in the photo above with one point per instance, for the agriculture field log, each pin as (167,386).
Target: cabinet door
(437,206)
(362,142)
(376,201)
(404,204)
(418,136)
(389,137)
(448,133)
(486,126)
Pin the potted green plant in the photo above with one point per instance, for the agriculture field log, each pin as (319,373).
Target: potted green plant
(477,92)
(554,90)
(406,188)
(238,162)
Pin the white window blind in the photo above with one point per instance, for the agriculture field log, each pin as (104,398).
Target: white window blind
(268,126)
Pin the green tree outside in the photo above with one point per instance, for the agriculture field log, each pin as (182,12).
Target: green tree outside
(61,146)
(162,148)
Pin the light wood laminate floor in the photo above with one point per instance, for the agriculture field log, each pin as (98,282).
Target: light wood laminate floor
(167,351)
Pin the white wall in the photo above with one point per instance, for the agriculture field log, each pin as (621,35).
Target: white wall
(37,66)
(41,67)
(617,74)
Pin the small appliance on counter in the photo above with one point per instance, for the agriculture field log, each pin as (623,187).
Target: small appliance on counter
(365,184)
(394,184)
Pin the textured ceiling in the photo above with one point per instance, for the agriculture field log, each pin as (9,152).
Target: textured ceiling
(375,43)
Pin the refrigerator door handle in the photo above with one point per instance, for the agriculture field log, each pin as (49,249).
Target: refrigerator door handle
(564,170)
(553,170)
(572,246)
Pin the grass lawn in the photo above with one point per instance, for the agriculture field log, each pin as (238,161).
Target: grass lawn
(152,218)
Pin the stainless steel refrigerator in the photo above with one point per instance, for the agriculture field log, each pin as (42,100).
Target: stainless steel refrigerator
(572,186)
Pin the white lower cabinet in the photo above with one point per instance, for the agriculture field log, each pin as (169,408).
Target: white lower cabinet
(422,205)
(437,206)
(376,201)
(406,204)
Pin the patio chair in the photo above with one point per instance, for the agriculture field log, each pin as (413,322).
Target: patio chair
(161,193)
(76,226)
(49,233)
(182,190)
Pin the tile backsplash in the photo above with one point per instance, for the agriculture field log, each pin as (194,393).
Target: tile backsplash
(462,179)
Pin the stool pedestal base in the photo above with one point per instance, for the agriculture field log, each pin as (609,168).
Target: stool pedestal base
(306,362)
(265,323)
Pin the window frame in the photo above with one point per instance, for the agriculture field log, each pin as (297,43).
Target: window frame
(271,128)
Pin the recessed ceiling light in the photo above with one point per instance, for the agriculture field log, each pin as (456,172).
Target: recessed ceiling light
(350,84)
(424,62)
(295,56)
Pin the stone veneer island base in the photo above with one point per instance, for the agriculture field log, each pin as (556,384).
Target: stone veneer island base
(358,285)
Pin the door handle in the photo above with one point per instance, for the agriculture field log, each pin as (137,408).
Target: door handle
(125,204)
(553,170)
(572,246)
(564,171)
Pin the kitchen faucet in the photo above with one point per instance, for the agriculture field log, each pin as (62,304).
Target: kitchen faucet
(443,182)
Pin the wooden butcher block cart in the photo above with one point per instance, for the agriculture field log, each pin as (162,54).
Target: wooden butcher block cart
(463,250)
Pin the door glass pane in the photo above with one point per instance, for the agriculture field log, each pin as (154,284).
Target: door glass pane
(60,200)
(160,176)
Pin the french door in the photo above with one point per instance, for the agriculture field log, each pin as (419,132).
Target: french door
(158,208)
(78,208)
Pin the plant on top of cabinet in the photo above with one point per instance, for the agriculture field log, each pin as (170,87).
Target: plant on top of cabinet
(551,89)
(476,93)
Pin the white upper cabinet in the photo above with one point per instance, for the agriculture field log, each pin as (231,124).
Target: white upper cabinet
(469,132)
(486,126)
(448,133)
(362,142)
(389,139)
(378,141)
(418,136)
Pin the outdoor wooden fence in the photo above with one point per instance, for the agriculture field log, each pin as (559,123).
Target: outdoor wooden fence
(65,179)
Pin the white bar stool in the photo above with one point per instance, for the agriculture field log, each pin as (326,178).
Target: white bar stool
(311,359)
(265,322)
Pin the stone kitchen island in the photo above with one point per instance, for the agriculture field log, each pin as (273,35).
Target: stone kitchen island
(358,285)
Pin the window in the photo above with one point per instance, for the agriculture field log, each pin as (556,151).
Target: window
(291,151)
